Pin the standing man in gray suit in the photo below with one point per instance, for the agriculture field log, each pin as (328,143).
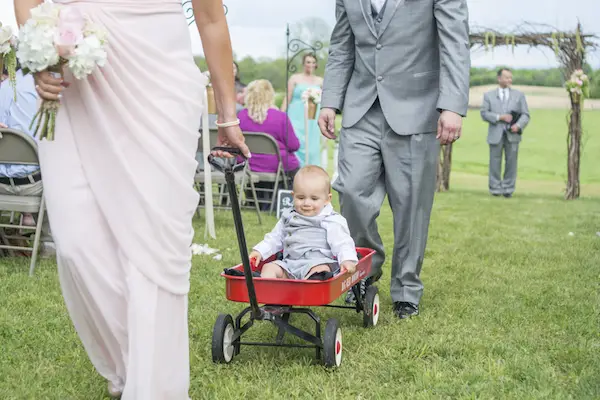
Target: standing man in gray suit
(398,70)
(499,107)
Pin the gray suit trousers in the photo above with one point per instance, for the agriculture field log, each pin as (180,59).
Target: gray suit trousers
(375,161)
(505,185)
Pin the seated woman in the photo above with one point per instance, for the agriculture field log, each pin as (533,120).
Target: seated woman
(261,115)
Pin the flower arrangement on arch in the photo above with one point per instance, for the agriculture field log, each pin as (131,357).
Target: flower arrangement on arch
(579,85)
(8,55)
(57,37)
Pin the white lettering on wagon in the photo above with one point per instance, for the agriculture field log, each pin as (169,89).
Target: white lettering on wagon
(350,281)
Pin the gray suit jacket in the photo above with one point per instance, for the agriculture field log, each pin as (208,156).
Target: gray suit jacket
(416,60)
(491,108)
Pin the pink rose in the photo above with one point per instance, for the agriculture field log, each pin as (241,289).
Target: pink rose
(70,31)
(580,83)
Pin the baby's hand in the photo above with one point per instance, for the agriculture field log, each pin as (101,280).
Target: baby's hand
(349,266)
(255,258)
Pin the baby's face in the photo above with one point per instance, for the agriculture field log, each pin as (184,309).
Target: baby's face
(310,196)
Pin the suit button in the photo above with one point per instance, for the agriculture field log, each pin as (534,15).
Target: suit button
(380,78)
(379,46)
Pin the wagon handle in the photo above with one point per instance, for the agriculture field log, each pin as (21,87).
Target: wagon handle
(223,165)
(229,169)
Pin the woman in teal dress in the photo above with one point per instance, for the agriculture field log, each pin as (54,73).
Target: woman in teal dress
(297,84)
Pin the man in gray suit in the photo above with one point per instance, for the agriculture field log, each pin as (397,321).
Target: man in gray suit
(398,70)
(499,107)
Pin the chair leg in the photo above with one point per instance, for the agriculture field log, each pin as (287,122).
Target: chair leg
(38,234)
(256,205)
(274,197)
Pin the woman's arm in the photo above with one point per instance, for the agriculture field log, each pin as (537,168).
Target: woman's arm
(290,91)
(214,33)
(293,144)
(22,9)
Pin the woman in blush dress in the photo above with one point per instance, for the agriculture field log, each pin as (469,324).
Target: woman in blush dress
(118,181)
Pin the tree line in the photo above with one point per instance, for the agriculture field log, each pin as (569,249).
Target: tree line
(275,71)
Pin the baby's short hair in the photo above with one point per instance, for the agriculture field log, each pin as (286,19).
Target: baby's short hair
(314,171)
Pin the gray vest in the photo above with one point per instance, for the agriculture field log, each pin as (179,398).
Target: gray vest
(305,237)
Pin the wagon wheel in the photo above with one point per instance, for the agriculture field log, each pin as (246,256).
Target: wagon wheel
(371,307)
(223,348)
(332,344)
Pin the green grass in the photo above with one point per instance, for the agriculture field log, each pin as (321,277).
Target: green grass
(510,310)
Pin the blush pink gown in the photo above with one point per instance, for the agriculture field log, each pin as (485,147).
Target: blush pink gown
(118,181)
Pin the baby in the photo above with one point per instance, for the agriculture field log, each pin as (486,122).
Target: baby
(314,238)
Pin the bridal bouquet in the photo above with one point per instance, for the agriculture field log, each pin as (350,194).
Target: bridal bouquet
(311,97)
(578,85)
(8,55)
(53,38)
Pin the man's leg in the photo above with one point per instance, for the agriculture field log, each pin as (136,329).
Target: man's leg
(410,164)
(511,151)
(495,182)
(361,181)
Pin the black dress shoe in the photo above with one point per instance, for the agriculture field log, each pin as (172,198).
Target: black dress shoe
(403,309)
(495,194)
(507,195)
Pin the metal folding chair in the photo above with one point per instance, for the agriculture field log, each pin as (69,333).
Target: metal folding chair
(19,148)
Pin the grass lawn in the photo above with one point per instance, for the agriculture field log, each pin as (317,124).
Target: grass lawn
(511,306)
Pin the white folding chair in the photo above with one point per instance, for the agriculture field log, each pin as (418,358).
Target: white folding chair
(19,148)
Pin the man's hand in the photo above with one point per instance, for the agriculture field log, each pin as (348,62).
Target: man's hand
(515,128)
(449,127)
(3,126)
(327,122)
(349,266)
(506,118)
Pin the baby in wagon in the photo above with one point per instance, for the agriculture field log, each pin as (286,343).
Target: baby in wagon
(314,238)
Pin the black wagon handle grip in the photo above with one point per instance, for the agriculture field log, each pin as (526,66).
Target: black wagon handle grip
(223,164)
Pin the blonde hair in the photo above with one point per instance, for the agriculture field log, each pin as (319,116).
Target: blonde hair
(259,98)
(314,172)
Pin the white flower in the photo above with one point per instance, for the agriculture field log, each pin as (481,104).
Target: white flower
(93,29)
(36,50)
(6,39)
(88,54)
(46,14)
(312,94)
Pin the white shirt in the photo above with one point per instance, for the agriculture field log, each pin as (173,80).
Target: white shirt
(338,237)
(503,92)
(378,4)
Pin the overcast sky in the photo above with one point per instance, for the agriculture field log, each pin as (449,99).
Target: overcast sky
(258,26)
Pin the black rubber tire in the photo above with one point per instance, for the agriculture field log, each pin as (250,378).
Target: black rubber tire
(332,344)
(371,307)
(223,352)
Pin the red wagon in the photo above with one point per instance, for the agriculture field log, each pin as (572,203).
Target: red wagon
(279,298)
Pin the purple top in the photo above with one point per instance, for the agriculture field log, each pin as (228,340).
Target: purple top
(274,125)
